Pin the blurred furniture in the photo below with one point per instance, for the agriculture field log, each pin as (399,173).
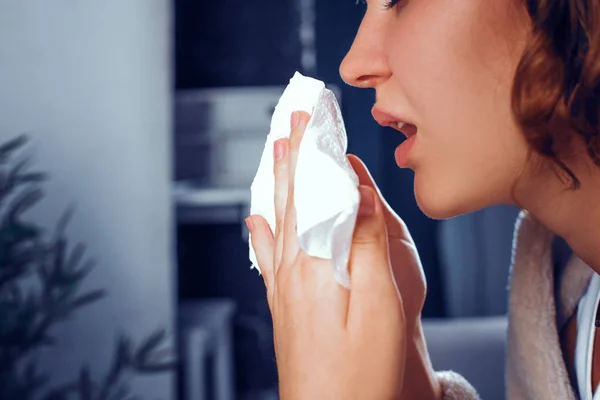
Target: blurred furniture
(217,154)
(214,147)
(472,347)
(207,349)
(475,258)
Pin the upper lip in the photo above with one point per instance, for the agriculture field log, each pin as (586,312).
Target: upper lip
(386,118)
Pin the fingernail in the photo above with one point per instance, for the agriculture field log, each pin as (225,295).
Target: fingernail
(294,120)
(367,202)
(279,149)
(249,224)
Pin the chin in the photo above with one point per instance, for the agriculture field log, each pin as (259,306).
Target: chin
(439,200)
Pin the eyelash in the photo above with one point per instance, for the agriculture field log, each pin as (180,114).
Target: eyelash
(389,4)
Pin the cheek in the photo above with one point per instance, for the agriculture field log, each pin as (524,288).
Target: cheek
(465,177)
(452,62)
(469,151)
(429,54)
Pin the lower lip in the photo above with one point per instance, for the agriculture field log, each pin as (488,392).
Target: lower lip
(403,152)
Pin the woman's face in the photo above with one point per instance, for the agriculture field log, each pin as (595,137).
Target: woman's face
(447,67)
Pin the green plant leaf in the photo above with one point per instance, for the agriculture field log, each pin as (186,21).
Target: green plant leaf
(64,220)
(17,175)
(17,232)
(121,361)
(27,319)
(33,177)
(85,269)
(9,147)
(24,255)
(24,202)
(123,352)
(75,257)
(157,367)
(58,258)
(87,298)
(15,172)
(149,345)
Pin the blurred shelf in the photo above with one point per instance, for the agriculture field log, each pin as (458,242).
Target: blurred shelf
(211,205)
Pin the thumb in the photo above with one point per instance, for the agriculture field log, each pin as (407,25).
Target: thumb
(369,266)
(369,256)
(395,227)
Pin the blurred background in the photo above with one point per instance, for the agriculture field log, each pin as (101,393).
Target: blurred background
(124,264)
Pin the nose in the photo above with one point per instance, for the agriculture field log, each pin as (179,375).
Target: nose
(365,64)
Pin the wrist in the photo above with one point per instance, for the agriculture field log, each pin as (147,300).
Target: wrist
(420,381)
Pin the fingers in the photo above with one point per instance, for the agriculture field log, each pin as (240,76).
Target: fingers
(364,176)
(299,121)
(281,174)
(316,275)
(395,226)
(369,252)
(263,245)
(370,271)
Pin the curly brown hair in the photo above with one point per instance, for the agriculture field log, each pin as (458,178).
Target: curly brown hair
(556,92)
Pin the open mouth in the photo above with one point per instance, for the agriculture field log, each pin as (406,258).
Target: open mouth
(394,121)
(407,129)
(402,153)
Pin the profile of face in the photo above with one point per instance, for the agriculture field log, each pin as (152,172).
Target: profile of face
(447,67)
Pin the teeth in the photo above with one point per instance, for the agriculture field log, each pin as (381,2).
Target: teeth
(399,125)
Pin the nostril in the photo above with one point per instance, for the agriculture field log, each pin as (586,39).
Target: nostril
(367,79)
(364,81)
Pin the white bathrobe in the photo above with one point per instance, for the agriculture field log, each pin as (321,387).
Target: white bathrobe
(539,305)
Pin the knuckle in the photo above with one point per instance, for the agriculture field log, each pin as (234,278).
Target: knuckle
(367,238)
(279,225)
(296,138)
(280,202)
(282,275)
(280,169)
(361,240)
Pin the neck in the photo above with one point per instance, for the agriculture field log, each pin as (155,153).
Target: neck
(571,214)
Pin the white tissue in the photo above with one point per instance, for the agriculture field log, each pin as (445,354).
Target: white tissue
(326,187)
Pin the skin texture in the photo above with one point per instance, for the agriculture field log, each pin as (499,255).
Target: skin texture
(446,66)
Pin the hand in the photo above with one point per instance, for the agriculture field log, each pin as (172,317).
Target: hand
(330,343)
(404,257)
(420,378)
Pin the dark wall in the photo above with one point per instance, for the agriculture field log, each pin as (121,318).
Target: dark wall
(235,43)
